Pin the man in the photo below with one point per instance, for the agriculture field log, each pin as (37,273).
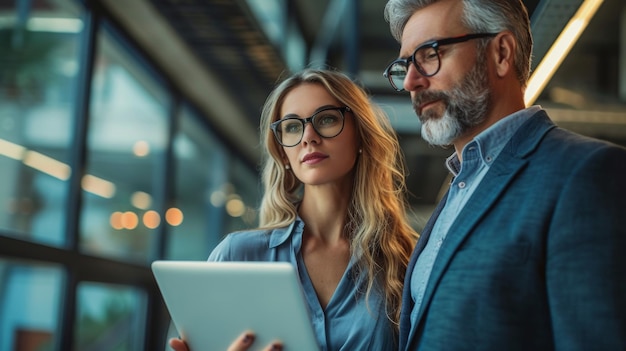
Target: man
(526,250)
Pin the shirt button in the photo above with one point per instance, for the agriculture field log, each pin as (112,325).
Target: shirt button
(488,158)
(462,185)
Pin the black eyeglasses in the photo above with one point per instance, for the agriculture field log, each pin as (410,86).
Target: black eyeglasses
(327,122)
(425,58)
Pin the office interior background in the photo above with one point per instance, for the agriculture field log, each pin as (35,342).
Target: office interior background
(129,133)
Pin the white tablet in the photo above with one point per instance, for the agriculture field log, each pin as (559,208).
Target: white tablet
(212,303)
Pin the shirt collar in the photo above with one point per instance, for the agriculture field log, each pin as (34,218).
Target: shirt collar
(280,235)
(492,140)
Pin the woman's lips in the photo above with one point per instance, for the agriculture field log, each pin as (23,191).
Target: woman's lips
(313,158)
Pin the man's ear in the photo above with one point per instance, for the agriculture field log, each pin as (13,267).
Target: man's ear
(503,50)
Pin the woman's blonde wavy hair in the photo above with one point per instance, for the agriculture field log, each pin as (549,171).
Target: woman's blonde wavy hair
(379,231)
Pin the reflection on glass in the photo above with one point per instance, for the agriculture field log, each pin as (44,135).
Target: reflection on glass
(30,305)
(38,72)
(215,195)
(109,317)
(126,143)
(242,205)
(201,169)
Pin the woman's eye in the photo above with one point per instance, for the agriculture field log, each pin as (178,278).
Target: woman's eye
(292,127)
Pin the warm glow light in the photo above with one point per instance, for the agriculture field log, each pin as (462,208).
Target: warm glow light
(141,148)
(567,97)
(11,150)
(47,165)
(151,219)
(174,217)
(561,47)
(218,198)
(235,207)
(98,186)
(116,220)
(129,220)
(141,200)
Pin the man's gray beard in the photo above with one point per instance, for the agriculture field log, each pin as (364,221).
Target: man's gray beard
(440,131)
(466,107)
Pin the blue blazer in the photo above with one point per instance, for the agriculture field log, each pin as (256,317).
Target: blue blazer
(536,260)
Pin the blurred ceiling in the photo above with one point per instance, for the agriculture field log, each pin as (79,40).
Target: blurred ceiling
(226,55)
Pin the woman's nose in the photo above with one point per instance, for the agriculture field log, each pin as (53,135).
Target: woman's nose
(310,134)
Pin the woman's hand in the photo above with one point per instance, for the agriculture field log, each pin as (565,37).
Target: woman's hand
(178,345)
(242,343)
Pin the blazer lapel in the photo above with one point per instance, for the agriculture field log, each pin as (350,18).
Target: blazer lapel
(511,161)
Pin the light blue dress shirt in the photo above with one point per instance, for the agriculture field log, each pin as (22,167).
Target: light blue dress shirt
(478,155)
(347,323)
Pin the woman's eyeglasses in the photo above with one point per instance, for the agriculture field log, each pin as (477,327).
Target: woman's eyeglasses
(327,123)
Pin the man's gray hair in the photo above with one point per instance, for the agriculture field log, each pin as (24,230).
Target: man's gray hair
(479,16)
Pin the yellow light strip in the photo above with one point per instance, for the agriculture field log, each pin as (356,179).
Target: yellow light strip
(47,165)
(98,186)
(55,168)
(561,47)
(11,150)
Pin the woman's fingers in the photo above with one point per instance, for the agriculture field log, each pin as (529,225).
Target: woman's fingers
(243,342)
(274,346)
(178,345)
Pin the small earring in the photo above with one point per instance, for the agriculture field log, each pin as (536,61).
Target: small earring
(287,167)
(360,151)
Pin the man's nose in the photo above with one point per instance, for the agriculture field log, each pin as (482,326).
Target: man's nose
(414,80)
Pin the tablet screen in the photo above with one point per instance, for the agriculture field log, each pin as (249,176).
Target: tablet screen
(212,303)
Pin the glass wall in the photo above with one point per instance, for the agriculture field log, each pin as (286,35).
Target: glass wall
(201,171)
(38,76)
(110,317)
(98,182)
(215,192)
(126,143)
(30,305)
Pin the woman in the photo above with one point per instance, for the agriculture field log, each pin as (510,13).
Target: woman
(334,207)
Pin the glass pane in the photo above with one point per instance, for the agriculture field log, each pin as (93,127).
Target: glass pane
(38,71)
(201,170)
(109,317)
(30,305)
(215,193)
(126,142)
(243,197)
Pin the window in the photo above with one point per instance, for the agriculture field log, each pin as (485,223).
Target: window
(30,305)
(126,144)
(109,317)
(38,74)
(215,193)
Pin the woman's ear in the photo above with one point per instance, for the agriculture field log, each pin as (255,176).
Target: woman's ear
(503,53)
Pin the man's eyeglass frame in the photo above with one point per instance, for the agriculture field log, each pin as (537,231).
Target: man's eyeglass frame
(304,121)
(435,45)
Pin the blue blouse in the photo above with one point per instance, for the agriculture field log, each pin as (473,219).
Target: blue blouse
(347,323)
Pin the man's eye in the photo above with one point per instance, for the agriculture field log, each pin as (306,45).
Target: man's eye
(427,54)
